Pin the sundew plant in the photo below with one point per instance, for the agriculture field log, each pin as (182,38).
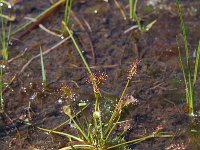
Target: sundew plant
(95,132)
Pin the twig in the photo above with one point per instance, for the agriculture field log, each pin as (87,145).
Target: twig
(18,56)
(131,28)
(40,18)
(87,24)
(157,85)
(43,27)
(120,9)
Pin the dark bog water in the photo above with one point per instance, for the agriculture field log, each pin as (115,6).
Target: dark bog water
(99,30)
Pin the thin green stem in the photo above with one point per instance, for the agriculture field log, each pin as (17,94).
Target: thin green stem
(112,118)
(131,9)
(196,64)
(76,146)
(79,129)
(125,88)
(183,70)
(190,89)
(90,72)
(113,127)
(79,51)
(135,141)
(1,89)
(68,7)
(44,79)
(62,124)
(57,132)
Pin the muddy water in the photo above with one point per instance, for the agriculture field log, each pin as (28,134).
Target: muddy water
(158,85)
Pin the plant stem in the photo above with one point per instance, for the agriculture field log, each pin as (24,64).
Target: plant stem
(113,127)
(131,9)
(1,89)
(125,88)
(44,79)
(68,7)
(135,141)
(196,64)
(57,132)
(79,51)
(189,82)
(112,118)
(72,117)
(79,129)
(76,146)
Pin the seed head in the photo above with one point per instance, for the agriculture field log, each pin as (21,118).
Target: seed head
(176,146)
(67,93)
(133,69)
(99,78)
(96,79)
(158,129)
(127,125)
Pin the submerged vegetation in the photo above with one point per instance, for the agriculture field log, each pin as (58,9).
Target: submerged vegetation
(91,127)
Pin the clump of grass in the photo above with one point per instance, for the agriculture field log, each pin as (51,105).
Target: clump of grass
(4,34)
(4,39)
(186,68)
(134,17)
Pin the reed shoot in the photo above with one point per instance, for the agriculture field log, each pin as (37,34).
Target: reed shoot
(186,67)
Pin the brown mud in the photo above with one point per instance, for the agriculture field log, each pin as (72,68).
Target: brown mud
(158,84)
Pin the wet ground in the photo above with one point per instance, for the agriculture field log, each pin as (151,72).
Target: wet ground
(100,32)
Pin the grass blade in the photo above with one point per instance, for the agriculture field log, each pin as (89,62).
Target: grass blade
(1,89)
(44,79)
(68,7)
(189,83)
(196,64)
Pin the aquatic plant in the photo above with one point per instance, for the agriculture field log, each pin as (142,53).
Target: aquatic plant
(96,132)
(134,17)
(186,68)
